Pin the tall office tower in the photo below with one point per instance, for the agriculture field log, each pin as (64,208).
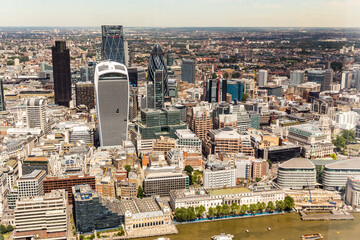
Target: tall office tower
(328,79)
(243,119)
(133,103)
(356,73)
(157,62)
(2,98)
(87,73)
(346,78)
(188,71)
(62,73)
(216,90)
(325,78)
(113,44)
(170,59)
(296,77)
(155,91)
(112,102)
(85,94)
(36,113)
(263,75)
(136,74)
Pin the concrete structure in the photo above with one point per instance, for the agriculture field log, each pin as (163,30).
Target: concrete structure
(346,78)
(352,193)
(272,90)
(219,176)
(4,190)
(335,174)
(161,183)
(297,174)
(112,102)
(325,78)
(44,217)
(81,134)
(306,134)
(31,184)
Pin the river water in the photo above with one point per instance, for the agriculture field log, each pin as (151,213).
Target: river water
(286,227)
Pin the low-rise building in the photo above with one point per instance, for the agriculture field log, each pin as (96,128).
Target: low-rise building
(335,175)
(219,176)
(31,184)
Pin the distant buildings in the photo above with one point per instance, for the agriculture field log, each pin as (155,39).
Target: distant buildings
(297,77)
(113,43)
(187,139)
(112,102)
(136,75)
(188,71)
(62,73)
(85,94)
(272,90)
(325,78)
(157,62)
(346,78)
(42,217)
(297,174)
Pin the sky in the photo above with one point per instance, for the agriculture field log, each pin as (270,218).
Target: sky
(181,13)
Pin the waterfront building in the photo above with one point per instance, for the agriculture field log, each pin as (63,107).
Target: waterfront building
(297,174)
(297,77)
(62,73)
(161,183)
(92,212)
(157,62)
(188,71)
(112,102)
(352,192)
(85,94)
(263,75)
(217,197)
(31,184)
(42,217)
(113,43)
(32,163)
(335,174)
(219,176)
(67,182)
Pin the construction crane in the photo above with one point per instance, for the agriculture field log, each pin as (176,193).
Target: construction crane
(309,191)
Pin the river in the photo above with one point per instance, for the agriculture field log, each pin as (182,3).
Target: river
(286,227)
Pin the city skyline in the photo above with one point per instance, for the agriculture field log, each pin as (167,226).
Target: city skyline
(199,13)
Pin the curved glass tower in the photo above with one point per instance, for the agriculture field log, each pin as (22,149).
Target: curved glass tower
(157,62)
(113,45)
(112,102)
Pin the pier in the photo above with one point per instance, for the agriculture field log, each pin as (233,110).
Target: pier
(333,215)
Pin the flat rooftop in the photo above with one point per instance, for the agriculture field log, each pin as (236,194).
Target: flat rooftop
(351,164)
(226,191)
(298,163)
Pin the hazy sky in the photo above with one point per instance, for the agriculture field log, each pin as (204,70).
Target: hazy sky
(178,13)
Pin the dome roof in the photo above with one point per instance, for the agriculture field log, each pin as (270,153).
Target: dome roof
(157,49)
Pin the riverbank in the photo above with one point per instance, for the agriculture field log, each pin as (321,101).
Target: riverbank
(230,217)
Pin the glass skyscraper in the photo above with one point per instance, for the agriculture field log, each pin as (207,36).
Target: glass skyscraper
(188,71)
(113,47)
(2,98)
(112,102)
(157,62)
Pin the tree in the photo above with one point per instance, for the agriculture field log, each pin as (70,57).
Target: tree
(188,169)
(253,208)
(140,193)
(336,66)
(245,97)
(234,208)
(279,205)
(226,75)
(333,156)
(200,211)
(225,209)
(289,203)
(214,76)
(260,206)
(9,228)
(190,214)
(211,212)
(128,169)
(244,208)
(257,179)
(218,210)
(180,214)
(2,229)
(270,206)
(235,75)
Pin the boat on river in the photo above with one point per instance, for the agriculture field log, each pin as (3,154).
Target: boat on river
(222,236)
(314,236)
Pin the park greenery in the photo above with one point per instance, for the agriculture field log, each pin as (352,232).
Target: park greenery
(5,229)
(140,193)
(195,176)
(345,138)
(191,213)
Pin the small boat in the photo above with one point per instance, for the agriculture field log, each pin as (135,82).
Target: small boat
(314,236)
(247,230)
(222,236)
(268,228)
(163,238)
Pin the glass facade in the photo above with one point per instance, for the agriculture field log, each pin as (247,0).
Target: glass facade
(157,62)
(112,47)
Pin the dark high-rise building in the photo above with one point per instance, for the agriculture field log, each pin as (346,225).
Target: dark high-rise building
(157,62)
(85,94)
(113,47)
(155,91)
(2,98)
(325,78)
(188,71)
(62,73)
(136,74)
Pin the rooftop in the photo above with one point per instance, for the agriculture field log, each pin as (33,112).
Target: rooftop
(227,191)
(344,165)
(296,163)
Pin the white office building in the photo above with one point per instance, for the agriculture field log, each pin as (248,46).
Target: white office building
(217,176)
(36,114)
(187,139)
(80,134)
(31,184)
(347,120)
(263,75)
(352,193)
(335,175)
(297,77)
(43,217)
